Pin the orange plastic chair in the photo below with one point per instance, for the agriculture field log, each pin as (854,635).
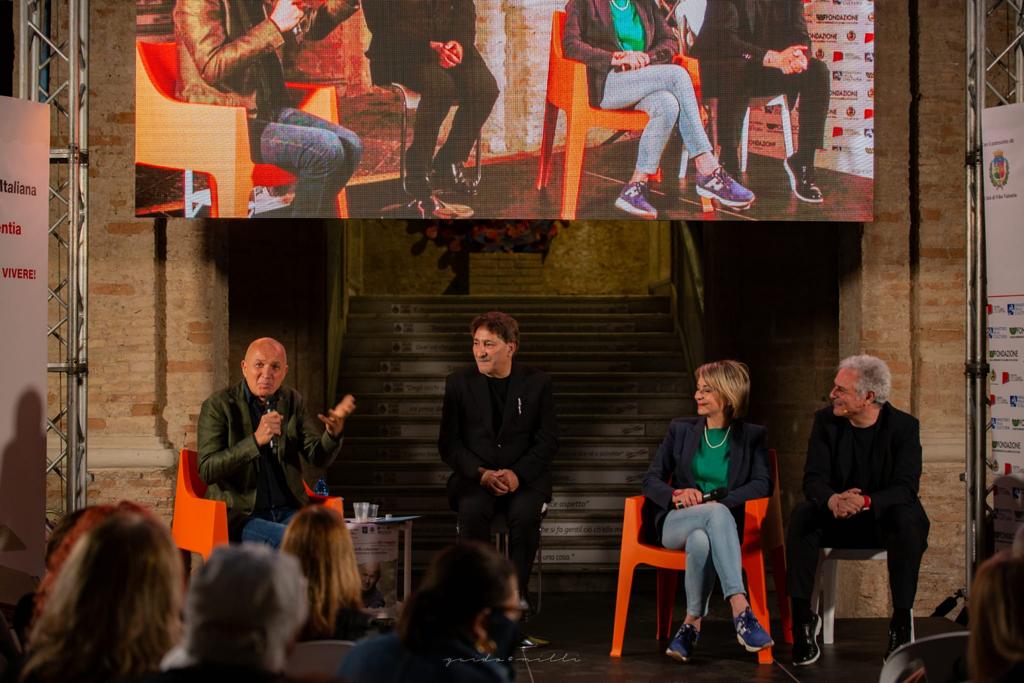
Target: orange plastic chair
(209,138)
(200,525)
(567,91)
(762,536)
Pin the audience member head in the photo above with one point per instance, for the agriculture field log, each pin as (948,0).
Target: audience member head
(495,341)
(265,366)
(318,538)
(730,380)
(245,607)
(114,610)
(65,536)
(997,615)
(469,592)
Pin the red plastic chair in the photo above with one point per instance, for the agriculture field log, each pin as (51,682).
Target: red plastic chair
(567,91)
(200,525)
(209,138)
(762,537)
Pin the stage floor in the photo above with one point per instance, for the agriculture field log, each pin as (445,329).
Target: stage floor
(580,629)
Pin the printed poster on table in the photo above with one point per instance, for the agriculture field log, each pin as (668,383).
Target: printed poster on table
(24,178)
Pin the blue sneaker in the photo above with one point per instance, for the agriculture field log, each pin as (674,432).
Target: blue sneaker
(749,632)
(681,647)
(721,186)
(633,200)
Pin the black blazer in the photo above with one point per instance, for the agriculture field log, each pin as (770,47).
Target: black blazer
(895,459)
(526,442)
(402,31)
(750,475)
(590,38)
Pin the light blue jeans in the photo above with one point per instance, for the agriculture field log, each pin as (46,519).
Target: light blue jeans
(268,529)
(707,532)
(665,92)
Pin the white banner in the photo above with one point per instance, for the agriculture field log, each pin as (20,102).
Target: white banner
(24,178)
(1003,160)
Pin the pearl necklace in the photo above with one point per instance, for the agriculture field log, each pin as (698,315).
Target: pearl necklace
(623,8)
(720,443)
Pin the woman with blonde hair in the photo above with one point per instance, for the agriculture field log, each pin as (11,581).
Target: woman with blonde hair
(115,609)
(995,649)
(704,471)
(318,538)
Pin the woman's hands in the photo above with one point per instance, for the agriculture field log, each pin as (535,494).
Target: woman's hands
(629,60)
(684,498)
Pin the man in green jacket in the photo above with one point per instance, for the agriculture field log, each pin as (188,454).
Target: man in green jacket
(253,438)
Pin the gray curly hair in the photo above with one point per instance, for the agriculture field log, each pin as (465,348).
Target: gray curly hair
(872,375)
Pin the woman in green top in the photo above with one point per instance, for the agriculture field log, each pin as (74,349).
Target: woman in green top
(628,48)
(716,450)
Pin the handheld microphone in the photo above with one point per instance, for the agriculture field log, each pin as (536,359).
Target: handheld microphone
(716,494)
(271,407)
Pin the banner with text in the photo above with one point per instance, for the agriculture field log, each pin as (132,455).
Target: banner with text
(24,179)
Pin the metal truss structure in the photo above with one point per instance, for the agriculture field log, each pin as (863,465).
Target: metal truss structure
(53,68)
(995,76)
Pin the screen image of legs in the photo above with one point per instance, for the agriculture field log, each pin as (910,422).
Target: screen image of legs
(323,155)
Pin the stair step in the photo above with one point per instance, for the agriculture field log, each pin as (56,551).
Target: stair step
(447,344)
(443,364)
(568,425)
(420,405)
(579,450)
(673,383)
(531,324)
(470,306)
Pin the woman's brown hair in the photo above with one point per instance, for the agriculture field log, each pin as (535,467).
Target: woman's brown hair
(115,609)
(318,538)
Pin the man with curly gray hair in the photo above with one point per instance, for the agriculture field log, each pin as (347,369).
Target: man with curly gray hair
(861,480)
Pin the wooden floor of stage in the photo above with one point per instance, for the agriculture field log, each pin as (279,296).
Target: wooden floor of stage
(580,629)
(507,190)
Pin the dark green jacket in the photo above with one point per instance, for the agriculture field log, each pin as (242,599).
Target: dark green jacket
(229,457)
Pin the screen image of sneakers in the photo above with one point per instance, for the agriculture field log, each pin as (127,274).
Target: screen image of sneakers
(265,199)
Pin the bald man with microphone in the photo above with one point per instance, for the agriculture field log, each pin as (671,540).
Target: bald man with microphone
(861,482)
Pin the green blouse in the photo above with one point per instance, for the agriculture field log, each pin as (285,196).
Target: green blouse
(628,28)
(710,467)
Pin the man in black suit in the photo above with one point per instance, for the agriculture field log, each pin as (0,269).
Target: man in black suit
(751,48)
(498,434)
(429,46)
(861,480)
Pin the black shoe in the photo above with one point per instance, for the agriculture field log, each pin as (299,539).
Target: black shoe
(805,642)
(456,176)
(899,635)
(801,180)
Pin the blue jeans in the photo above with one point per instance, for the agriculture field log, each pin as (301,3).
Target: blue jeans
(268,529)
(665,92)
(707,532)
(323,155)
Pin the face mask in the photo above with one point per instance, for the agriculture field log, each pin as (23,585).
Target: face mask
(505,634)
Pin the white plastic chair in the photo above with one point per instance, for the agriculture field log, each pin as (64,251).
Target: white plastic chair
(824,595)
(942,658)
(317,658)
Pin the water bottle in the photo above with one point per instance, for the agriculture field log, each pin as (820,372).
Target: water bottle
(321,487)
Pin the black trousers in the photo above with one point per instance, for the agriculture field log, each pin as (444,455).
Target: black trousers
(735,81)
(470,84)
(902,531)
(476,508)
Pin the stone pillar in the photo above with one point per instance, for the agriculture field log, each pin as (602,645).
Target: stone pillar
(528,27)
(491,41)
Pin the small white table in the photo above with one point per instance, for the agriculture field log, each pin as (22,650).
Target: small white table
(404,524)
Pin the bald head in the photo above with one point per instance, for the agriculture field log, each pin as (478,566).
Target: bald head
(265,366)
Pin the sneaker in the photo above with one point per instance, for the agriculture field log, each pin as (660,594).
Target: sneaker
(749,632)
(263,199)
(633,200)
(721,186)
(801,181)
(805,642)
(681,647)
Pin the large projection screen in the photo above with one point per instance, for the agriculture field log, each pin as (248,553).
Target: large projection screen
(297,108)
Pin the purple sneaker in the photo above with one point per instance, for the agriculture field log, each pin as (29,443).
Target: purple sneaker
(721,186)
(633,200)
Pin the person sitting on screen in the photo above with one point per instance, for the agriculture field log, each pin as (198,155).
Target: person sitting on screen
(429,47)
(750,48)
(228,54)
(253,438)
(460,626)
(628,47)
(716,454)
(320,541)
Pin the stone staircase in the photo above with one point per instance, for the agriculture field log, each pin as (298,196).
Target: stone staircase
(618,377)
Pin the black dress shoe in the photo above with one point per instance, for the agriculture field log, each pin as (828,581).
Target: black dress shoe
(801,180)
(805,642)
(898,637)
(457,177)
